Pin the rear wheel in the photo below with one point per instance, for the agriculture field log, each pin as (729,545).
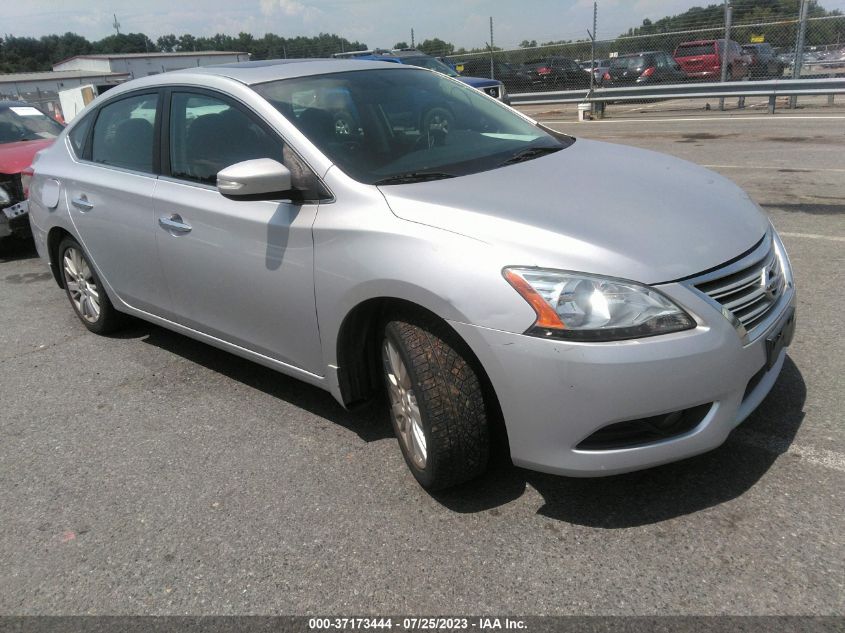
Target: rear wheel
(436,402)
(85,291)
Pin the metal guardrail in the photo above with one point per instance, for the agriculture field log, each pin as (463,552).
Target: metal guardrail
(772,89)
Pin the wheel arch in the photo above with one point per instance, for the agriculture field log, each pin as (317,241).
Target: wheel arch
(359,362)
(54,239)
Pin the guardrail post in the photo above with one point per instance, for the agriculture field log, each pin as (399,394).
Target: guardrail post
(772,101)
(799,49)
(728,16)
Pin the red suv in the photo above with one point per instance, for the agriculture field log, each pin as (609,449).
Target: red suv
(702,59)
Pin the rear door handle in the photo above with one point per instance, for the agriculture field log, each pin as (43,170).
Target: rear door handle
(174,223)
(82,203)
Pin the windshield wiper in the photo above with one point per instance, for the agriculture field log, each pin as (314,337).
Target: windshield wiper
(530,153)
(413,176)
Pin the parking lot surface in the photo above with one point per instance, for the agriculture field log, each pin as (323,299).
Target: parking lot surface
(148,473)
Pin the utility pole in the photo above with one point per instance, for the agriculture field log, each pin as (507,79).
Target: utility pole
(413,44)
(593,47)
(116,24)
(726,47)
(799,48)
(492,73)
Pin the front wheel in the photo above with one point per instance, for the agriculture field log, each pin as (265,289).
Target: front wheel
(436,402)
(85,291)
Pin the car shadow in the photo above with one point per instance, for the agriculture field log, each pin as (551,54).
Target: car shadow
(15,248)
(621,501)
(369,423)
(656,494)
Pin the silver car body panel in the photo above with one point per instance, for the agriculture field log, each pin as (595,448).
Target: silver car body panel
(274,282)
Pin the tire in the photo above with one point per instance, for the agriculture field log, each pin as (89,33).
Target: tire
(436,402)
(85,291)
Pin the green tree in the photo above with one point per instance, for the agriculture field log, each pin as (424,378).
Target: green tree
(436,47)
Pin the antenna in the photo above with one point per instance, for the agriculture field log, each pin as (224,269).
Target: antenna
(116,24)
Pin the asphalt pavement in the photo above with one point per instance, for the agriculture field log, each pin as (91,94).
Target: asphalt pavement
(146,473)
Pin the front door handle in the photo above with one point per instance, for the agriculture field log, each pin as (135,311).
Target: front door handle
(82,203)
(174,223)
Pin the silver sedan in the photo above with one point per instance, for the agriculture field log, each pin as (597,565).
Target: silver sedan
(386,232)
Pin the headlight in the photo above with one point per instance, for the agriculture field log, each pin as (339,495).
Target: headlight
(583,307)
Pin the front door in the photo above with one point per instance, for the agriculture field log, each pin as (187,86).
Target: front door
(241,271)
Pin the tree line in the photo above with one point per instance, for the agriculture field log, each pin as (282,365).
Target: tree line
(30,54)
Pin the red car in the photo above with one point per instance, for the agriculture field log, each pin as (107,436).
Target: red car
(702,59)
(24,130)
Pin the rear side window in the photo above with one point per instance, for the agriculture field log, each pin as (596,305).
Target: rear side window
(79,134)
(123,133)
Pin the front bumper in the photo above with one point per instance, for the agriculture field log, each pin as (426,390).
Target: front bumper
(554,394)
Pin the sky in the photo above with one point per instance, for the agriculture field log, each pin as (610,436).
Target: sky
(377,23)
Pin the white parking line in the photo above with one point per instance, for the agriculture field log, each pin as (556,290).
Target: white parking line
(814,236)
(768,167)
(780,446)
(710,119)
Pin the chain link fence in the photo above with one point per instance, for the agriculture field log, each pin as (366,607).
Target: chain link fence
(798,45)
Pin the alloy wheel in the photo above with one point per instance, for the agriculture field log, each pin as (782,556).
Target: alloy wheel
(403,406)
(82,287)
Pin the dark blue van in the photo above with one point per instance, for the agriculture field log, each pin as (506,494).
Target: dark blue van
(492,87)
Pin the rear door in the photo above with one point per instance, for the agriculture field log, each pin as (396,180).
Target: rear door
(241,271)
(110,197)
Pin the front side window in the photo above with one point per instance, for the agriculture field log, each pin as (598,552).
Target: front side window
(432,64)
(208,134)
(123,133)
(404,123)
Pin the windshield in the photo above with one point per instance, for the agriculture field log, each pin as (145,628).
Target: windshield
(628,63)
(378,125)
(694,50)
(432,64)
(25,123)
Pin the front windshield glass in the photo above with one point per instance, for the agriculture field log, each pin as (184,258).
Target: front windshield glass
(628,63)
(380,126)
(25,123)
(432,64)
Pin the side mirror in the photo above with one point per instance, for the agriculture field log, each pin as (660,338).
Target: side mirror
(258,179)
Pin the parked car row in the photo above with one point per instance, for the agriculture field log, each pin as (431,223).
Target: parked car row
(699,60)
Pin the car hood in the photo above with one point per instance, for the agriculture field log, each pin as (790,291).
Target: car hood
(478,82)
(17,156)
(594,207)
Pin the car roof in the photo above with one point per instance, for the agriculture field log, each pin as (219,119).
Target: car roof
(15,104)
(255,72)
(697,42)
(639,54)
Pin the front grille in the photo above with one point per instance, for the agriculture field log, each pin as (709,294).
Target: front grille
(750,293)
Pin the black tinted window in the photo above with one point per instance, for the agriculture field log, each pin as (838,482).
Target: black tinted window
(79,134)
(123,133)
(208,134)
(694,50)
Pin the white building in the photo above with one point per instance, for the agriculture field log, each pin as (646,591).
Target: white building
(42,89)
(143,64)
